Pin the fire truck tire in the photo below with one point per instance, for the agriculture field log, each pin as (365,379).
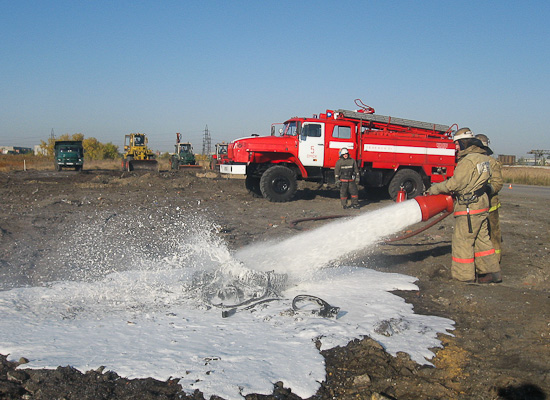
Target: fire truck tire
(411,182)
(278,184)
(252,184)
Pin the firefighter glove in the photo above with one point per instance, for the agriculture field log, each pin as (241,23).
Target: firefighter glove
(338,183)
(434,189)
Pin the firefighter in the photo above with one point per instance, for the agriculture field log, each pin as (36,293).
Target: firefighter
(495,184)
(473,255)
(346,175)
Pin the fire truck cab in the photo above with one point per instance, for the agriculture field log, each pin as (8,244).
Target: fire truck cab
(390,152)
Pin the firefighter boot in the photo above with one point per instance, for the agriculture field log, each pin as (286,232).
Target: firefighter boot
(492,277)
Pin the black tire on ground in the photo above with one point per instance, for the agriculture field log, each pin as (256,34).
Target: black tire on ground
(129,167)
(278,184)
(252,184)
(57,167)
(411,182)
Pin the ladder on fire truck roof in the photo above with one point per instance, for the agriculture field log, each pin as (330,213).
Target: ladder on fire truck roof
(394,121)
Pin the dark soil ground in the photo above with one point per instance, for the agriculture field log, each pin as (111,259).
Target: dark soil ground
(501,344)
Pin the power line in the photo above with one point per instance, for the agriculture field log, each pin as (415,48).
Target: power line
(539,154)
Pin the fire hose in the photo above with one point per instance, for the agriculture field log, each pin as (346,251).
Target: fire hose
(325,309)
(419,230)
(295,222)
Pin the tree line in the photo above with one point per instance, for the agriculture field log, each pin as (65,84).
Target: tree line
(93,148)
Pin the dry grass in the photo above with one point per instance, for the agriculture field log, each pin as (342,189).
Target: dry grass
(539,176)
(18,162)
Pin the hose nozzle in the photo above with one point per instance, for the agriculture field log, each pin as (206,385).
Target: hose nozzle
(433,204)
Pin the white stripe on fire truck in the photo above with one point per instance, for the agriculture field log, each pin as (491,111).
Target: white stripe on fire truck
(339,145)
(432,151)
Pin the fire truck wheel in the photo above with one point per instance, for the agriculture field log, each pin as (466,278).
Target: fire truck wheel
(278,184)
(411,182)
(252,184)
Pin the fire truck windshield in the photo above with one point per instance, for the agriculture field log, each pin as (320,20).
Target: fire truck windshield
(290,129)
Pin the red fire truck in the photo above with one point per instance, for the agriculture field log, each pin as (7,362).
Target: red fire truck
(220,156)
(391,152)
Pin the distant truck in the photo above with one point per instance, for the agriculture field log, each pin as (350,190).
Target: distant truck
(68,154)
(220,156)
(184,156)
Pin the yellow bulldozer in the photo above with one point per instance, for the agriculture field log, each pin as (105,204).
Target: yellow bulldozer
(137,156)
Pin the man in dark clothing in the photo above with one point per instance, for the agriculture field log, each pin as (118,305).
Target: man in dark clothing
(346,175)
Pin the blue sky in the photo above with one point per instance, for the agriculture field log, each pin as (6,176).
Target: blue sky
(109,68)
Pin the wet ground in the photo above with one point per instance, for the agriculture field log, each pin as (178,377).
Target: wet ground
(501,344)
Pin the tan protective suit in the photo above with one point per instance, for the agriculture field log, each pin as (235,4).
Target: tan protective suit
(472,252)
(496,182)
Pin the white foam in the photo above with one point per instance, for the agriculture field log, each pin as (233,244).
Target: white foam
(154,321)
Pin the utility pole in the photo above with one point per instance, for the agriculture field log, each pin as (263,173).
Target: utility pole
(206,142)
(52,135)
(539,154)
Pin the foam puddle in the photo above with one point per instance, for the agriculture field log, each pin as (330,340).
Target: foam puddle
(158,321)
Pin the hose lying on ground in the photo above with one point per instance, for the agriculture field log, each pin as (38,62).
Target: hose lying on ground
(416,232)
(325,310)
(295,222)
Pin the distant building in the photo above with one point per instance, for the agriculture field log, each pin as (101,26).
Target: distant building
(39,150)
(15,150)
(506,159)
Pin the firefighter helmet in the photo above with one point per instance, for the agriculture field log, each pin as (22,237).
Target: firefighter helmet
(485,142)
(483,139)
(343,151)
(463,133)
